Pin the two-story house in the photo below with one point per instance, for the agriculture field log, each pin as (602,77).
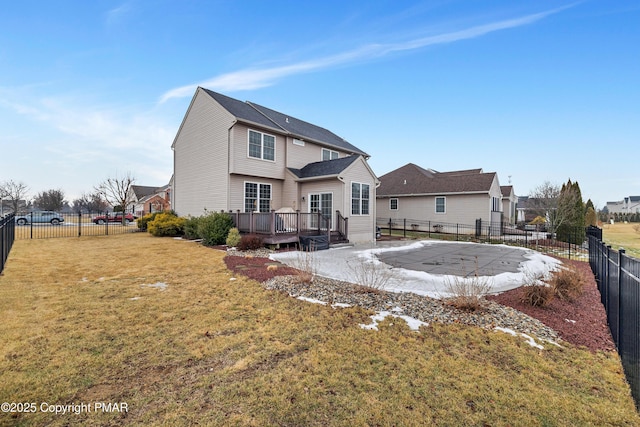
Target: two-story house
(241,157)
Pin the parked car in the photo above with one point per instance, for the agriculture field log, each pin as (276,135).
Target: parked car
(102,219)
(40,217)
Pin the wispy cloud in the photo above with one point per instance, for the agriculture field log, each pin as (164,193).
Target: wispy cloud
(254,78)
(117,14)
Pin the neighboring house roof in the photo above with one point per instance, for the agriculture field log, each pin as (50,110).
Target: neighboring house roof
(141,191)
(254,113)
(507,190)
(324,168)
(411,179)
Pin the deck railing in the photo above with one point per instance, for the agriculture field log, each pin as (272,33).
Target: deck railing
(282,226)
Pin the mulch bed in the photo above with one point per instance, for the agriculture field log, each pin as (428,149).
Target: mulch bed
(257,268)
(582,322)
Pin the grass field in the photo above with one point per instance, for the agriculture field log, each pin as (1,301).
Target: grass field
(163,326)
(621,235)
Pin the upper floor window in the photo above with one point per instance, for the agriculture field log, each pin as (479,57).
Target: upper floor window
(262,146)
(441,204)
(359,199)
(393,204)
(329,154)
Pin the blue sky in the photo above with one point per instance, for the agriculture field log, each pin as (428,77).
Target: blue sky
(535,91)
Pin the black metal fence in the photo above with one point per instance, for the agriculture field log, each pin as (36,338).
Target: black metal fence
(44,225)
(571,243)
(7,236)
(618,279)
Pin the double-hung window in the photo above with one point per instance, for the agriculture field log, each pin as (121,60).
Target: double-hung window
(359,198)
(393,204)
(262,146)
(329,154)
(257,197)
(441,204)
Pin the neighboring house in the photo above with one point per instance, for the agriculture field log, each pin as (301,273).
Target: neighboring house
(458,197)
(629,205)
(242,157)
(509,204)
(150,199)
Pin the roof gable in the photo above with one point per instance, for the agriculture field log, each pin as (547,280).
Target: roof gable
(413,180)
(241,110)
(141,191)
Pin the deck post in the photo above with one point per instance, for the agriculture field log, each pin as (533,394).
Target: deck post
(272,227)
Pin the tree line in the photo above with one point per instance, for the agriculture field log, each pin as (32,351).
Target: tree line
(112,193)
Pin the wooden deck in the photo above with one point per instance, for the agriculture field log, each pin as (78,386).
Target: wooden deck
(286,227)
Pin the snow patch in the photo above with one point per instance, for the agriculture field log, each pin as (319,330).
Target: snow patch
(312,300)
(413,323)
(529,340)
(158,285)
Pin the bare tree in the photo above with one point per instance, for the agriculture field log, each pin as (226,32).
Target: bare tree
(555,204)
(50,200)
(117,191)
(544,200)
(14,192)
(92,202)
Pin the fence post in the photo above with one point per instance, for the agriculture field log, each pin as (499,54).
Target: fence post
(404,228)
(389,226)
(79,223)
(31,225)
(607,263)
(621,255)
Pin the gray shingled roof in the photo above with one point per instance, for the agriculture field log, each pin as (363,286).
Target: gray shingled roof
(142,190)
(254,113)
(411,179)
(324,168)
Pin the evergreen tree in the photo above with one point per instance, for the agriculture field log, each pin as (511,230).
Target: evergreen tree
(590,217)
(571,214)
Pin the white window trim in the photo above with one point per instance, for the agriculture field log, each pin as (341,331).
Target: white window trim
(360,199)
(258,184)
(262,134)
(397,204)
(435,207)
(330,153)
(298,142)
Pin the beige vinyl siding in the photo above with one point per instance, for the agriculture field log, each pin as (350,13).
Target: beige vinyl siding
(361,227)
(460,209)
(242,164)
(298,156)
(333,186)
(290,193)
(509,207)
(200,158)
(236,188)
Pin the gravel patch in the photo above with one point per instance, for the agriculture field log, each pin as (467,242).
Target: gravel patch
(425,309)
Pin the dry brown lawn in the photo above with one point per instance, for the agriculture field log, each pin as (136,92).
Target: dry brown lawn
(621,235)
(163,326)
